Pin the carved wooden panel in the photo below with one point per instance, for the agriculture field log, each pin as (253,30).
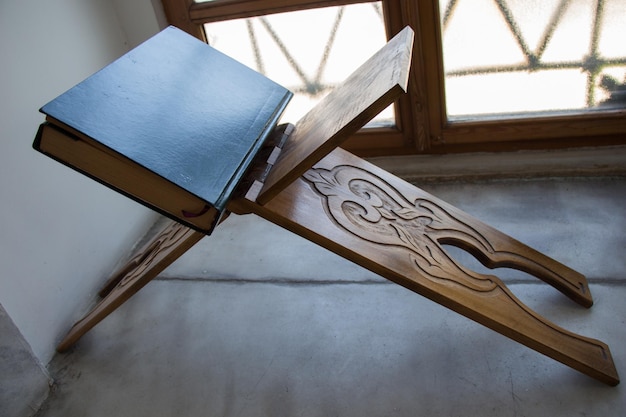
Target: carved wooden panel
(371,209)
(393,228)
(173,240)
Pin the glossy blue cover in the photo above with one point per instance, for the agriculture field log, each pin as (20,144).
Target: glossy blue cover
(179,108)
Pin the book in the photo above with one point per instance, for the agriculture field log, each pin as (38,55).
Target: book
(173,124)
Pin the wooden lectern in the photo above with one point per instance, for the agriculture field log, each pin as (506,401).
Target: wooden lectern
(298,178)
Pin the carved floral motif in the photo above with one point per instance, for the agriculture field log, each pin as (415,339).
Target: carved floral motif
(370,208)
(166,240)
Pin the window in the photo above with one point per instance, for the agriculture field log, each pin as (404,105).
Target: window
(569,53)
(338,39)
(487,74)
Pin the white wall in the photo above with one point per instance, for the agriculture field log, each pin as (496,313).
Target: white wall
(61,234)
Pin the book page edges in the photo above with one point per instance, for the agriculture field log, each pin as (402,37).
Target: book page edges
(125,176)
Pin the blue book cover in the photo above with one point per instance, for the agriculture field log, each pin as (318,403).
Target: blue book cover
(178,108)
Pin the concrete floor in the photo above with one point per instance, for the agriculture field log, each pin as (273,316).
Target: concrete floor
(255,321)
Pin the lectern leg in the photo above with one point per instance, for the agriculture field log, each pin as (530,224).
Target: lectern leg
(395,229)
(174,240)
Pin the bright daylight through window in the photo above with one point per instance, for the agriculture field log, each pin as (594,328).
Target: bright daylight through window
(486,75)
(508,57)
(309,52)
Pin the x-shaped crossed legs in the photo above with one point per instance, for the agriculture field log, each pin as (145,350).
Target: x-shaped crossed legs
(380,222)
(393,228)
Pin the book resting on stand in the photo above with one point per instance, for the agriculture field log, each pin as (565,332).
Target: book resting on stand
(173,124)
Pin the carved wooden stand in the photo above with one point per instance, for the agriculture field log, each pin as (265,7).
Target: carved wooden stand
(382,223)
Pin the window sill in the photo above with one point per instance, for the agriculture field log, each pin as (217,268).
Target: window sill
(580,162)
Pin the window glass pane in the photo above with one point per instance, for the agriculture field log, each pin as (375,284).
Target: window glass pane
(520,57)
(309,52)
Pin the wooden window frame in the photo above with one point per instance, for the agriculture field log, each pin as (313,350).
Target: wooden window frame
(422,125)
